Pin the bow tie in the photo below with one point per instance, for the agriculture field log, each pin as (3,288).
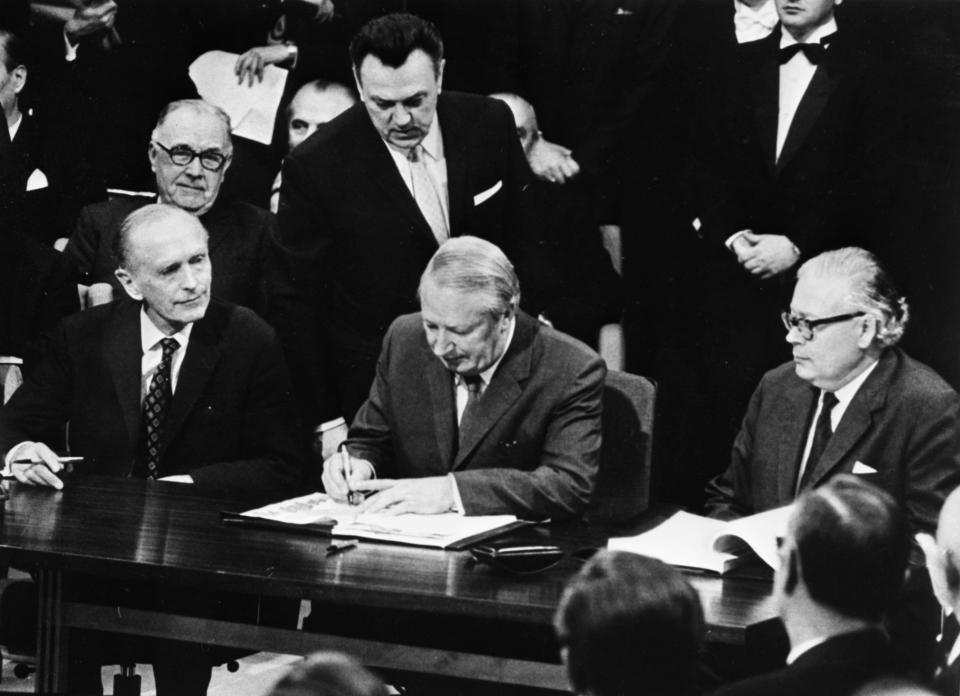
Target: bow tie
(813,51)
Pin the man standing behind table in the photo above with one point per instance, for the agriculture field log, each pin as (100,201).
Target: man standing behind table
(190,151)
(850,401)
(476,407)
(370,196)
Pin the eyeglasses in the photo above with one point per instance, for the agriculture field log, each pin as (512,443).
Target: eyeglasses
(181,155)
(805,327)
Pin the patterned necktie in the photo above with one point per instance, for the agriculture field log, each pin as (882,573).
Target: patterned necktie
(821,436)
(473,384)
(155,407)
(427,196)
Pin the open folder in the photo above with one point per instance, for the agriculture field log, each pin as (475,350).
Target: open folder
(319,512)
(703,543)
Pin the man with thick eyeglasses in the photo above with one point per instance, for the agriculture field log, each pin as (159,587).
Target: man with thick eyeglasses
(190,153)
(850,401)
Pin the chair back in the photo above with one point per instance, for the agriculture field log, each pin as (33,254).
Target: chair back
(622,489)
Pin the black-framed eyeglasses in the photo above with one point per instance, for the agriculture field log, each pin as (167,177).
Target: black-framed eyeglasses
(181,155)
(805,326)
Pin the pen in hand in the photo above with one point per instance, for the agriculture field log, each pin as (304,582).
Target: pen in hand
(353,497)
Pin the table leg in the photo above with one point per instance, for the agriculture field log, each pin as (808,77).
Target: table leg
(51,634)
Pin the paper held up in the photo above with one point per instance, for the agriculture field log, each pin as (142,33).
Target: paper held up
(702,543)
(252,108)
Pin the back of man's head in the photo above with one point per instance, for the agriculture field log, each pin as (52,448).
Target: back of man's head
(524,117)
(329,674)
(393,37)
(850,548)
(629,624)
(473,265)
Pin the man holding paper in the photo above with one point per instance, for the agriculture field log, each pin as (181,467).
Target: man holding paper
(849,402)
(475,407)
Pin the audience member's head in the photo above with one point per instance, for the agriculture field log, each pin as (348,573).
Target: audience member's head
(398,66)
(329,674)
(630,624)
(845,553)
(892,686)
(845,310)
(163,262)
(13,74)
(802,17)
(315,103)
(943,554)
(469,294)
(190,151)
(525,119)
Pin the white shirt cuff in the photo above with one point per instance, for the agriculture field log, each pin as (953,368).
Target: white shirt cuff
(11,455)
(733,238)
(330,425)
(457,502)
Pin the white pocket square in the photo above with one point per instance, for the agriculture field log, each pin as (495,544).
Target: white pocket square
(484,195)
(37,181)
(861,468)
(622,12)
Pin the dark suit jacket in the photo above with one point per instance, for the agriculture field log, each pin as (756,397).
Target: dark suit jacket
(902,422)
(834,175)
(833,668)
(231,425)
(239,237)
(356,240)
(535,444)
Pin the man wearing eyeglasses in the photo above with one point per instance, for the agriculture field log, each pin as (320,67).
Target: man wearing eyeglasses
(190,152)
(850,401)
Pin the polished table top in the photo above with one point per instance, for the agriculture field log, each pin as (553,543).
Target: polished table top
(133,529)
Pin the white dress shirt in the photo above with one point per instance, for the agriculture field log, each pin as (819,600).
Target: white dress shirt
(12,130)
(795,77)
(753,24)
(435,161)
(150,337)
(844,396)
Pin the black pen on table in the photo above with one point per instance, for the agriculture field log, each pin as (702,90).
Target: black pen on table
(336,547)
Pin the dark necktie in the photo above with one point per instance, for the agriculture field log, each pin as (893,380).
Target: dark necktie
(813,51)
(821,436)
(473,384)
(155,407)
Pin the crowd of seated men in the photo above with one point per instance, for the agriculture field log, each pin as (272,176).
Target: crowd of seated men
(416,292)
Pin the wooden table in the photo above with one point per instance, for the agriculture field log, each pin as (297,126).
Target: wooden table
(132,529)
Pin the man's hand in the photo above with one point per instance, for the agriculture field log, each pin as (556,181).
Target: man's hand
(252,63)
(327,442)
(767,255)
(426,496)
(324,9)
(936,567)
(43,469)
(338,481)
(552,162)
(92,19)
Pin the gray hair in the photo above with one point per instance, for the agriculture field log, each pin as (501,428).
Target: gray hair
(141,217)
(871,288)
(474,265)
(200,107)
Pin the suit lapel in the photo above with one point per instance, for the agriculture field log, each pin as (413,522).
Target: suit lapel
(376,164)
(443,406)
(857,419)
(504,389)
(814,100)
(203,353)
(456,154)
(764,89)
(123,352)
(799,399)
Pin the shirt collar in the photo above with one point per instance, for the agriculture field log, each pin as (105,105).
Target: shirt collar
(846,393)
(150,335)
(12,130)
(786,38)
(487,374)
(765,15)
(954,652)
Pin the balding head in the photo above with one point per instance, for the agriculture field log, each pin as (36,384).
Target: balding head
(524,117)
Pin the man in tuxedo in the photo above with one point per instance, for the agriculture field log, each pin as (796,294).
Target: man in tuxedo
(368,198)
(943,563)
(850,401)
(476,407)
(842,564)
(190,151)
(169,386)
